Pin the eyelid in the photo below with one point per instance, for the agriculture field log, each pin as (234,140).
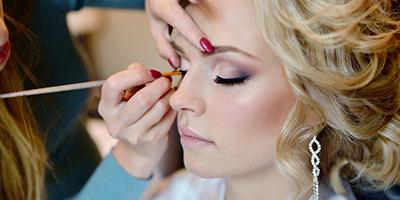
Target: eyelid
(229,70)
(232,81)
(232,78)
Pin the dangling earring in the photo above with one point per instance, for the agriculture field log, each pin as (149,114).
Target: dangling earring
(315,162)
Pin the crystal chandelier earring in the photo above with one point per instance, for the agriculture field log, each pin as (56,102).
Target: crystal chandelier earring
(315,162)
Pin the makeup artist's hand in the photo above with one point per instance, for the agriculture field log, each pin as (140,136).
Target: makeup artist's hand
(141,123)
(164,12)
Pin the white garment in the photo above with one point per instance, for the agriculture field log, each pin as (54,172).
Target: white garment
(187,186)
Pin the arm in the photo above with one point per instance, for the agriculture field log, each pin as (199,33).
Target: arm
(111,181)
(72,5)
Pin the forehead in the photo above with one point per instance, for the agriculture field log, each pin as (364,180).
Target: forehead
(227,22)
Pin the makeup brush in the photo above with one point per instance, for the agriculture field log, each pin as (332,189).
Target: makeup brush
(70,87)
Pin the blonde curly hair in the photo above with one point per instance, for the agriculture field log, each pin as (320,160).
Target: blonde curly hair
(342,60)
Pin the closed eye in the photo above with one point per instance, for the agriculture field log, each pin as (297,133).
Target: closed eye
(230,81)
(225,81)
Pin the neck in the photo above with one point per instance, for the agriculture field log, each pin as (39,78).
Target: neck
(264,184)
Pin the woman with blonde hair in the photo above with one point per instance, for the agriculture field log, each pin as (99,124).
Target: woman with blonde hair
(299,100)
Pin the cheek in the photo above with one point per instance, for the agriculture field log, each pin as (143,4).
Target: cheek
(257,108)
(251,118)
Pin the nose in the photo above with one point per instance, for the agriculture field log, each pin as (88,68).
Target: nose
(189,95)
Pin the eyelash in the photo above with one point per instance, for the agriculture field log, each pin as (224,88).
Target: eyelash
(230,81)
(226,82)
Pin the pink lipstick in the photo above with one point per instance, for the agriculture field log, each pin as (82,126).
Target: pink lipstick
(191,140)
(5,52)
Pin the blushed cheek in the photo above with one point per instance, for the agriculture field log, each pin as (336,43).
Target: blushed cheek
(248,129)
(253,129)
(255,114)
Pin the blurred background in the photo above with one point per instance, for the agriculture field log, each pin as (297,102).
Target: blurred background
(109,40)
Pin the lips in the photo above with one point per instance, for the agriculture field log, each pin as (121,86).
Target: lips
(5,52)
(191,140)
(188,133)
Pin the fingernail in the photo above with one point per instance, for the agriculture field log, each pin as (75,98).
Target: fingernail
(155,73)
(207,46)
(170,78)
(171,63)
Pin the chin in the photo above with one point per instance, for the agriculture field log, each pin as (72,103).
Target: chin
(201,167)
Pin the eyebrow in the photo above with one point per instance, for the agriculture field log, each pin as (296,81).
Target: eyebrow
(218,50)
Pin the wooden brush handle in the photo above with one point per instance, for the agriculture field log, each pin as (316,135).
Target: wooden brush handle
(68,87)
(54,89)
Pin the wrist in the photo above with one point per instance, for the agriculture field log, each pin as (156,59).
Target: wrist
(136,165)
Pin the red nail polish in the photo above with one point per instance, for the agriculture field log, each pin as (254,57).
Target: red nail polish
(155,73)
(207,46)
(171,63)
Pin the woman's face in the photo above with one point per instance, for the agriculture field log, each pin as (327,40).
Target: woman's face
(231,104)
(4,42)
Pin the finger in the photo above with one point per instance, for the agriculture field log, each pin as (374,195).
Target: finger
(130,92)
(159,131)
(142,132)
(156,113)
(177,17)
(159,32)
(114,87)
(144,99)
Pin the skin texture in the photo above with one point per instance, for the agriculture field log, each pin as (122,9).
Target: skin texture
(243,121)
